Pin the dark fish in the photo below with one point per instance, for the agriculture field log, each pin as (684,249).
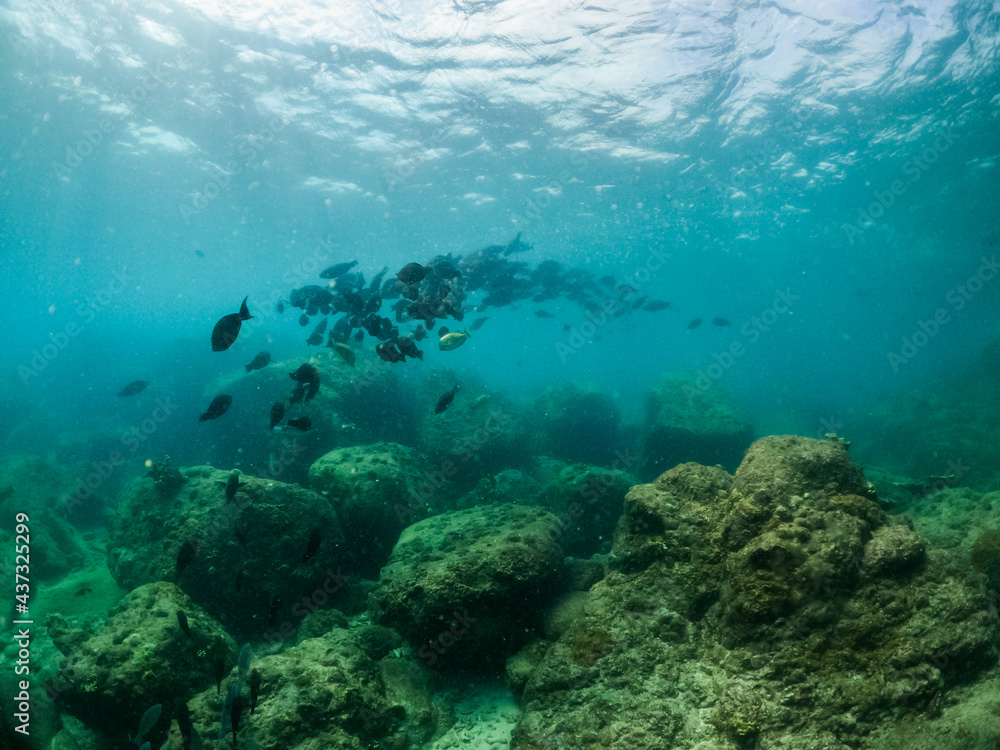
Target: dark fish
(263,359)
(184,725)
(607,280)
(516,246)
(279,306)
(478,323)
(359,336)
(656,305)
(302,423)
(277,413)
(336,270)
(298,393)
(388,352)
(232,486)
(694,324)
(136,386)
(84,591)
(640,302)
(199,253)
(419,333)
(442,331)
(255,680)
(408,348)
(184,557)
(315,339)
(544,314)
(344,352)
(411,273)
(720,322)
(303,320)
(228,328)
(312,547)
(308,376)
(320,327)
(219,406)
(235,713)
(445,400)
(182,620)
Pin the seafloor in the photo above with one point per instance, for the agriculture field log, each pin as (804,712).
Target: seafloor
(525,575)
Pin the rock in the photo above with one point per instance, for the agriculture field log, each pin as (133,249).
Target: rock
(469,586)
(508,486)
(781,607)
(893,550)
(690,419)
(141,657)
(323,692)
(587,500)
(579,423)
(253,570)
(377,490)
(520,666)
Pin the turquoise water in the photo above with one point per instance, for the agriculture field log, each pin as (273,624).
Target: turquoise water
(824,180)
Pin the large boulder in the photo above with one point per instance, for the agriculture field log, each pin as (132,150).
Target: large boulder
(579,422)
(688,418)
(780,605)
(258,563)
(377,491)
(469,586)
(141,656)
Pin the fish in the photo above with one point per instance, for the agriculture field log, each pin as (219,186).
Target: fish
(136,386)
(182,620)
(199,253)
(235,712)
(308,376)
(411,273)
(452,340)
(228,328)
(184,725)
(388,352)
(419,333)
(442,331)
(359,336)
(639,302)
(232,486)
(656,305)
(344,352)
(185,555)
(478,323)
(302,423)
(720,322)
(219,406)
(277,413)
(279,306)
(303,320)
(446,400)
(544,314)
(408,348)
(255,680)
(84,591)
(312,546)
(694,324)
(262,360)
(338,269)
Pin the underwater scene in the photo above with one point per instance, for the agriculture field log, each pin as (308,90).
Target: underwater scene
(500,375)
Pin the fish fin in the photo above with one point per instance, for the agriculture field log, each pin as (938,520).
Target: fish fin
(244,312)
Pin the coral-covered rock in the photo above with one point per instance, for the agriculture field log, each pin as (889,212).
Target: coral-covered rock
(469,586)
(377,491)
(688,418)
(508,486)
(258,563)
(140,657)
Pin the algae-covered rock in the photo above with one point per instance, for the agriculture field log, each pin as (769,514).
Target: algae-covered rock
(141,657)
(587,500)
(469,586)
(376,490)
(322,693)
(782,607)
(579,422)
(259,563)
(507,486)
(688,418)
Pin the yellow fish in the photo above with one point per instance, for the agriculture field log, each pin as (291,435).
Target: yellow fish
(452,340)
